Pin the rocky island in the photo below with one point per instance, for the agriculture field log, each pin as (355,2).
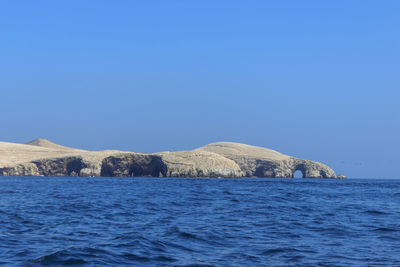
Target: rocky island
(223,159)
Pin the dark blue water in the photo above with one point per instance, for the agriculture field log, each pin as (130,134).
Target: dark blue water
(199,222)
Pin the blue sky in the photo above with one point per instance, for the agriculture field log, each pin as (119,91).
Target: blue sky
(312,79)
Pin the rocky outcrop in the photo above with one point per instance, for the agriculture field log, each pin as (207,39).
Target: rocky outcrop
(81,164)
(262,162)
(68,166)
(133,164)
(223,159)
(311,169)
(25,169)
(62,166)
(199,164)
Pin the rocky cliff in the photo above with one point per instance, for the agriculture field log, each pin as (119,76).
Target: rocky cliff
(42,157)
(261,162)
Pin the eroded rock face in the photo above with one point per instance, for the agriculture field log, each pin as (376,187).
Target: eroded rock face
(67,166)
(262,162)
(133,164)
(312,169)
(61,166)
(224,159)
(25,169)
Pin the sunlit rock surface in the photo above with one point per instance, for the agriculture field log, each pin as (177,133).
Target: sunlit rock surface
(199,164)
(262,162)
(223,159)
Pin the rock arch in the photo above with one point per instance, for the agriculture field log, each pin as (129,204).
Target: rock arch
(301,168)
(312,169)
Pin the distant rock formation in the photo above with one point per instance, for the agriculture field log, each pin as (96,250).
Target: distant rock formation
(223,159)
(262,162)
(199,164)
(133,164)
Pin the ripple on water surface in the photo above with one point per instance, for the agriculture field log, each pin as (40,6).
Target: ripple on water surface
(199,222)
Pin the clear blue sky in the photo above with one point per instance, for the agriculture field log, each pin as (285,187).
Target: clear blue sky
(312,79)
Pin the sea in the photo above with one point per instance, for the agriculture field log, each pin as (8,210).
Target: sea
(49,221)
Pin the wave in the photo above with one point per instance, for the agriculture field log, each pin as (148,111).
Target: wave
(61,257)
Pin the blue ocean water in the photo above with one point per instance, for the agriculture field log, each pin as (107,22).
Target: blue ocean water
(199,222)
